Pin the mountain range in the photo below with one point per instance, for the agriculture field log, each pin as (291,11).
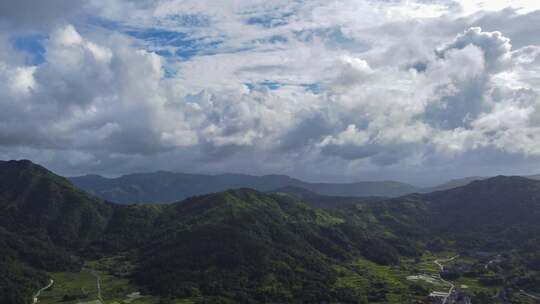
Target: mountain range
(291,245)
(167,187)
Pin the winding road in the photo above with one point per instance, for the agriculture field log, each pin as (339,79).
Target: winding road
(495,259)
(438,262)
(38,293)
(441,267)
(529,295)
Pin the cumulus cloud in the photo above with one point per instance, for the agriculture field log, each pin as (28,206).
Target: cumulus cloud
(349,72)
(308,89)
(495,47)
(86,94)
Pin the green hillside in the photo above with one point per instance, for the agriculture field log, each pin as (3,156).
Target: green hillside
(244,246)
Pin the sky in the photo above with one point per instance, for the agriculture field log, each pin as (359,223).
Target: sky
(419,91)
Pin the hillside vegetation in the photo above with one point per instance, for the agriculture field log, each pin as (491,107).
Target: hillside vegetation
(245,246)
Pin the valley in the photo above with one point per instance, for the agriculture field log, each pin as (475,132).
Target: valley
(94,284)
(473,244)
(269,152)
(387,284)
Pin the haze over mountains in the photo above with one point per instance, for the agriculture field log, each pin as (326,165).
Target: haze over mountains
(167,187)
(245,246)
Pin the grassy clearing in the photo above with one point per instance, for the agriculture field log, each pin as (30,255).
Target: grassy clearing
(373,283)
(81,287)
(407,282)
(368,282)
(430,280)
(474,286)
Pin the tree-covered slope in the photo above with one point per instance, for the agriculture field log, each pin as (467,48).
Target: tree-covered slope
(34,201)
(238,245)
(500,212)
(324,201)
(19,260)
(247,246)
(44,223)
(48,225)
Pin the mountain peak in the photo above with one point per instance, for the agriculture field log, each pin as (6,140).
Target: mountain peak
(21,164)
(18,170)
(33,197)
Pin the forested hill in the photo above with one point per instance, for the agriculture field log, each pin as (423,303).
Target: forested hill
(213,243)
(47,224)
(500,212)
(43,220)
(245,246)
(34,199)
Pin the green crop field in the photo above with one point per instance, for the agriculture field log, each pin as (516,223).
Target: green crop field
(81,287)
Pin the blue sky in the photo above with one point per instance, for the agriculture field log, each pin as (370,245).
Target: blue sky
(417,91)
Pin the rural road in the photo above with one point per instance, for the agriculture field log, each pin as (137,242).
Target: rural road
(486,267)
(441,267)
(529,295)
(452,287)
(488,263)
(98,284)
(38,293)
(438,262)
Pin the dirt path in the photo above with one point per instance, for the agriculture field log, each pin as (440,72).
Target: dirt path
(529,295)
(441,268)
(38,293)
(98,284)
(438,262)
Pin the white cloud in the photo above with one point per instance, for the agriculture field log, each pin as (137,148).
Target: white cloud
(495,47)
(524,6)
(317,88)
(349,72)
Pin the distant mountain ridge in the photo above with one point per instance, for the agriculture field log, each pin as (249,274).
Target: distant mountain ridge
(454,183)
(166,187)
